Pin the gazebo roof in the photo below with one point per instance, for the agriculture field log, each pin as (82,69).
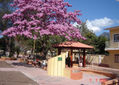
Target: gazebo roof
(73,44)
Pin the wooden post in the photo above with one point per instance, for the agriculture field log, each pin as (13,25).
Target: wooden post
(59,51)
(84,61)
(71,57)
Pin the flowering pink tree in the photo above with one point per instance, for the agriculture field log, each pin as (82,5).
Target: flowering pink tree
(36,18)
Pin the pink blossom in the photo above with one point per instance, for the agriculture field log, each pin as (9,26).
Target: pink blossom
(42,17)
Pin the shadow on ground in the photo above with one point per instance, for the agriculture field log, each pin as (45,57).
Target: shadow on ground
(21,64)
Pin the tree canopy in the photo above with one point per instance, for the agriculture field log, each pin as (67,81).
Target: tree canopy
(36,18)
(4,8)
(92,39)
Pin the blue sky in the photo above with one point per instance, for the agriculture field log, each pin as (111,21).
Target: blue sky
(99,14)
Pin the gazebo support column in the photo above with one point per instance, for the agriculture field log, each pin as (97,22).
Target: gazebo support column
(59,51)
(84,60)
(71,57)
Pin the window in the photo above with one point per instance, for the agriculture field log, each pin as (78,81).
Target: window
(116,37)
(116,58)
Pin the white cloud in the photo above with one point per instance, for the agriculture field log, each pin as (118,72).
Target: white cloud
(76,24)
(117,0)
(92,27)
(98,24)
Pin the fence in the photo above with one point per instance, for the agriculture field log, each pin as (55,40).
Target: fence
(56,65)
(94,59)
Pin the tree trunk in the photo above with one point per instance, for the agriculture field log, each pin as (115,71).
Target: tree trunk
(7,50)
(45,47)
(34,46)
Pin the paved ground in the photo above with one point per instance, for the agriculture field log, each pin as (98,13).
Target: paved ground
(41,77)
(11,76)
(15,78)
(5,65)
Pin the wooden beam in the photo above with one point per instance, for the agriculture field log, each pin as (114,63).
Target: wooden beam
(71,57)
(84,60)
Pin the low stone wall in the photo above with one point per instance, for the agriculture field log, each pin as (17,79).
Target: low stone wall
(108,74)
(111,82)
(73,73)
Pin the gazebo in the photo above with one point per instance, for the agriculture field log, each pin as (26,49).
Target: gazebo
(73,45)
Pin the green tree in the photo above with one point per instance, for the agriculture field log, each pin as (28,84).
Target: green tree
(91,39)
(45,44)
(7,42)
(4,8)
(101,44)
(2,44)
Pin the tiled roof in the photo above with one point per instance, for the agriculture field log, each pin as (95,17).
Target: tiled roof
(72,44)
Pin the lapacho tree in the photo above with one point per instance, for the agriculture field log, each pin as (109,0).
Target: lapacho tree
(38,18)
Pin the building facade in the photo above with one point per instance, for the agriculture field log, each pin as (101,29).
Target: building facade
(112,47)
